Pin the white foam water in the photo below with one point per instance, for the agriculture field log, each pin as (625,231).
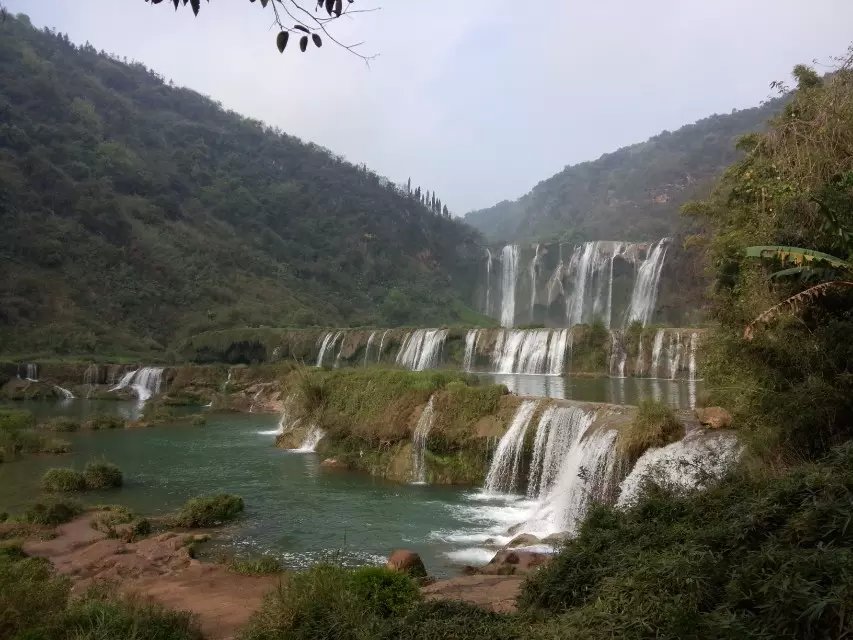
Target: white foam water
(419,442)
(503,471)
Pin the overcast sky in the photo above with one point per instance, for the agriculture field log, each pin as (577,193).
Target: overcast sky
(477,99)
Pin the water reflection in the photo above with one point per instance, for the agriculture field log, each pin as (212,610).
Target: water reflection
(680,394)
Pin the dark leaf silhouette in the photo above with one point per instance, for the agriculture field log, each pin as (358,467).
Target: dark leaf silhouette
(303,43)
(301,28)
(317,40)
(281,40)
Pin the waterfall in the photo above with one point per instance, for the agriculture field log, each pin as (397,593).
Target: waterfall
(657,349)
(90,379)
(421,349)
(561,340)
(145,382)
(340,351)
(590,272)
(691,464)
(312,439)
(503,472)
(327,344)
(693,345)
(555,281)
(488,281)
(381,345)
(471,339)
(227,381)
(618,354)
(534,262)
(509,274)
(31,371)
(580,272)
(676,350)
(559,429)
(419,442)
(66,394)
(645,294)
(640,365)
(367,347)
(586,474)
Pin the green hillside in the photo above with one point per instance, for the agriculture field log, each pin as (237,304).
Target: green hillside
(632,194)
(135,213)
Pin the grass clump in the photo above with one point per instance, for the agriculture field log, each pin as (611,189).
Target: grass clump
(52,512)
(16,419)
(61,424)
(63,480)
(260,565)
(333,602)
(103,421)
(102,475)
(208,511)
(654,425)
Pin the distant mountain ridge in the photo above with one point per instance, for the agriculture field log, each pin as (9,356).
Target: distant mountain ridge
(632,194)
(135,213)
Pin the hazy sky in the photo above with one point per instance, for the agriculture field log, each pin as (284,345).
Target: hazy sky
(477,99)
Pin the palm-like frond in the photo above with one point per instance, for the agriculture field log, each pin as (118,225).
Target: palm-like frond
(793,304)
(797,256)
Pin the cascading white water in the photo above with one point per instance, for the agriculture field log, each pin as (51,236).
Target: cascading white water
(66,394)
(509,275)
(327,344)
(559,429)
(534,263)
(419,442)
(579,271)
(488,281)
(421,349)
(503,471)
(145,382)
(618,354)
(340,351)
(382,345)
(31,372)
(312,439)
(367,347)
(471,339)
(533,351)
(587,474)
(691,464)
(560,342)
(694,339)
(676,351)
(645,294)
(639,366)
(657,349)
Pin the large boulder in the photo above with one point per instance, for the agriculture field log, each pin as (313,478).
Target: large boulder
(523,540)
(714,417)
(408,562)
(508,562)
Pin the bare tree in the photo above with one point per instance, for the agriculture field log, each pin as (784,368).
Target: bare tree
(309,24)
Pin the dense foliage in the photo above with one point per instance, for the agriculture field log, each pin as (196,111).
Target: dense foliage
(631,194)
(788,381)
(135,212)
(208,511)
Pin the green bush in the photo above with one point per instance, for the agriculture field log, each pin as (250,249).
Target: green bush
(209,511)
(99,615)
(438,620)
(15,419)
(32,599)
(103,421)
(63,479)
(61,424)
(763,558)
(260,565)
(52,512)
(329,602)
(654,425)
(102,475)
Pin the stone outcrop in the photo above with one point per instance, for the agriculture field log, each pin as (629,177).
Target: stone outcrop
(408,562)
(714,417)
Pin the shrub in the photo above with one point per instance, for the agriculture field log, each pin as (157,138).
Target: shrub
(654,425)
(103,421)
(209,511)
(448,619)
(52,512)
(61,424)
(32,598)
(260,565)
(99,615)
(63,479)
(15,419)
(102,475)
(383,592)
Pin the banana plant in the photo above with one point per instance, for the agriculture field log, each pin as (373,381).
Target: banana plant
(808,265)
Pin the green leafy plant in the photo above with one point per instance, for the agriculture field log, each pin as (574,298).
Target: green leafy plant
(209,511)
(102,475)
(63,479)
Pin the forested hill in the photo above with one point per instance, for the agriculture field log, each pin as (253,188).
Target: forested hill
(632,194)
(134,213)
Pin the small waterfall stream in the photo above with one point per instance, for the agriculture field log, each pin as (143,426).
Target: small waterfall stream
(488,281)
(367,347)
(419,442)
(503,471)
(421,349)
(311,440)
(328,344)
(645,294)
(509,275)
(145,382)
(471,339)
